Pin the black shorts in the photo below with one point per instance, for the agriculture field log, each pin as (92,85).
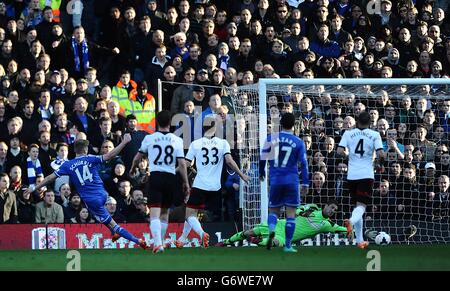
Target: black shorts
(361,190)
(161,189)
(199,197)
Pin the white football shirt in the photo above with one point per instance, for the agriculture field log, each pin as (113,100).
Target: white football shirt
(162,150)
(209,155)
(362,145)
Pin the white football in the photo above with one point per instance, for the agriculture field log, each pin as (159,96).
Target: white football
(382,238)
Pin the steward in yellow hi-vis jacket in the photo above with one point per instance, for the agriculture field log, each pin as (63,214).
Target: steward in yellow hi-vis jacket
(55,5)
(143,106)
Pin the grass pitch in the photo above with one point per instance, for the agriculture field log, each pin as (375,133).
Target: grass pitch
(346,258)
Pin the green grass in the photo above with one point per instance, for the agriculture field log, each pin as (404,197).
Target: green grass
(435,257)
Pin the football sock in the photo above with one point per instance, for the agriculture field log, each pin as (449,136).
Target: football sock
(357,214)
(155,229)
(272,222)
(125,234)
(359,231)
(111,229)
(290,227)
(164,226)
(195,224)
(186,230)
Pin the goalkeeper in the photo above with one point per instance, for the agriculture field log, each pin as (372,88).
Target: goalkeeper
(310,221)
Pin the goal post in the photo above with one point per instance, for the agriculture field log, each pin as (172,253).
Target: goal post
(355,82)
(418,212)
(324,108)
(262,87)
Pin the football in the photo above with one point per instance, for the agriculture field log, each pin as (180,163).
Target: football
(382,238)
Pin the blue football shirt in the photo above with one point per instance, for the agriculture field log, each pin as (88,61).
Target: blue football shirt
(83,173)
(285,151)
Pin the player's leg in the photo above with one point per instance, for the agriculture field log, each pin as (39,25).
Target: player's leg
(97,208)
(362,196)
(289,229)
(122,232)
(103,216)
(239,236)
(167,201)
(357,213)
(155,229)
(275,204)
(249,232)
(179,243)
(277,241)
(254,235)
(358,225)
(359,231)
(272,221)
(197,201)
(292,201)
(156,194)
(164,218)
(352,187)
(259,234)
(191,218)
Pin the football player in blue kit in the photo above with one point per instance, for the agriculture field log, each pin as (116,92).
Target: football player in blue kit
(83,173)
(284,151)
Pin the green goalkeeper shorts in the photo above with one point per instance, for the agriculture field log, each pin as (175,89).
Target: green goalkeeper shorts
(262,230)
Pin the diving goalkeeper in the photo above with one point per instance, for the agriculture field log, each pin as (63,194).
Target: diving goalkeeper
(310,221)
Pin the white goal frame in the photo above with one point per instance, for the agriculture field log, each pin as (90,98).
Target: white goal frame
(262,90)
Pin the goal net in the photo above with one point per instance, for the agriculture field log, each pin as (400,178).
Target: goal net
(411,189)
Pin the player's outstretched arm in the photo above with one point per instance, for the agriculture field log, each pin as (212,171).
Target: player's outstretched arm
(381,155)
(126,139)
(240,236)
(342,152)
(343,145)
(338,229)
(183,172)
(232,164)
(304,167)
(47,180)
(332,227)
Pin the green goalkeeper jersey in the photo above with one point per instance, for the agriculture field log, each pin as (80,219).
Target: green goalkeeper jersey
(308,223)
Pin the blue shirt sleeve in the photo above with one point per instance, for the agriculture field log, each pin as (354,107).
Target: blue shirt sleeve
(63,170)
(267,147)
(95,160)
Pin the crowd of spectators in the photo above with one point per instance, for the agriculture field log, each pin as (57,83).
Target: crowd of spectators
(412,183)
(88,70)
